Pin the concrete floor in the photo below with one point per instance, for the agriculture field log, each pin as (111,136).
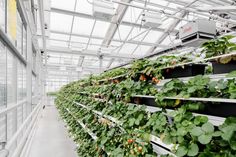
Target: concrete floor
(51,138)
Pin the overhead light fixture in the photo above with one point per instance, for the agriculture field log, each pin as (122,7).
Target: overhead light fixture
(195,33)
(230,8)
(103,9)
(151,19)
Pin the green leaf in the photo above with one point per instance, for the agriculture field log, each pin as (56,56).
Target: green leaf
(131,122)
(146,137)
(197,131)
(118,152)
(180,139)
(208,127)
(233,145)
(204,139)
(193,149)
(181,131)
(231,74)
(167,139)
(181,151)
(216,134)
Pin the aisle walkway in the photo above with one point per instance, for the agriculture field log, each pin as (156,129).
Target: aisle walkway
(51,138)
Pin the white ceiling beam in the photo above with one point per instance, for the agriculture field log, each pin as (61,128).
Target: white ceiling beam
(87,16)
(90,53)
(67,58)
(115,22)
(72,24)
(75,42)
(156,5)
(74,66)
(42,24)
(115,40)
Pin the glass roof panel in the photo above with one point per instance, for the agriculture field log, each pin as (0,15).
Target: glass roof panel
(60,22)
(84,7)
(79,39)
(59,36)
(62,4)
(93,47)
(138,34)
(53,60)
(122,32)
(54,43)
(96,41)
(77,46)
(115,43)
(82,26)
(141,50)
(132,14)
(101,28)
(152,36)
(127,48)
(161,2)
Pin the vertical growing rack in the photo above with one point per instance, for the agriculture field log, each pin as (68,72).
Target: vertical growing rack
(137,101)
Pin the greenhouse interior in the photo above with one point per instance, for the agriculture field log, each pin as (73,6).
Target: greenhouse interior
(117,78)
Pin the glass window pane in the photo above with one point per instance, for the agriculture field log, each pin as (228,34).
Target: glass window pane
(3,128)
(19,33)
(62,4)
(82,26)
(19,81)
(24,81)
(10,78)
(2,14)
(3,93)
(60,22)
(33,85)
(12,20)
(24,43)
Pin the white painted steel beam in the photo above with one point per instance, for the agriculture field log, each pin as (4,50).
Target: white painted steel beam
(101,38)
(42,22)
(56,66)
(90,53)
(115,22)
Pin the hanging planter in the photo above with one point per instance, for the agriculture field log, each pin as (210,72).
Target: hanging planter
(184,71)
(224,65)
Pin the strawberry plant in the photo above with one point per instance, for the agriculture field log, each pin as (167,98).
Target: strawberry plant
(218,46)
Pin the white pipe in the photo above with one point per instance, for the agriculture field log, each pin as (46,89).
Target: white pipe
(12,107)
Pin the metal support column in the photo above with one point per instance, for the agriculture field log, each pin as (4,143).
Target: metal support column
(29,71)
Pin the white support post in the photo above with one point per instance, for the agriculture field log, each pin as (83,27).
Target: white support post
(14,81)
(37,79)
(29,71)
